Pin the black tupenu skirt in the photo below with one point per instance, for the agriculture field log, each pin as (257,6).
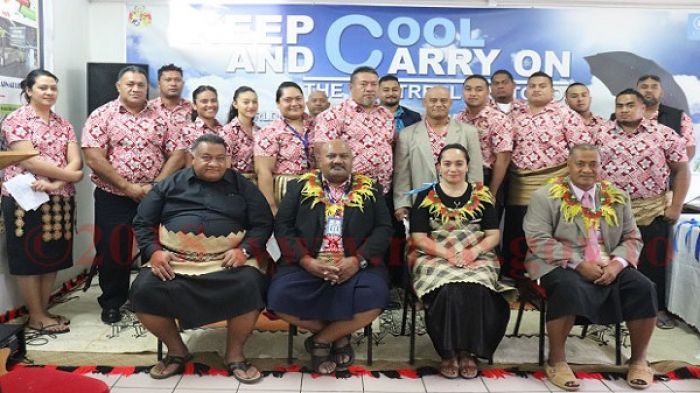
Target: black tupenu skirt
(199,300)
(631,296)
(465,317)
(39,241)
(308,297)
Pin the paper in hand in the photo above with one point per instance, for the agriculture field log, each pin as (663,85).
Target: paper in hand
(20,187)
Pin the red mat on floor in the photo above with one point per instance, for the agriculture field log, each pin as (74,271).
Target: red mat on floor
(48,379)
(691,372)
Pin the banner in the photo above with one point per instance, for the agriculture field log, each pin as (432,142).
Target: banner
(318,46)
(19,49)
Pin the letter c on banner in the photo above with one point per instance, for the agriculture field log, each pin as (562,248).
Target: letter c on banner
(335,31)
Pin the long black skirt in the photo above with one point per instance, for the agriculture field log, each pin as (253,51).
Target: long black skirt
(308,297)
(631,296)
(39,241)
(199,300)
(465,317)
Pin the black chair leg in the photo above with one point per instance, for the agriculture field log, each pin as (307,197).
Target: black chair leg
(406,297)
(368,333)
(160,350)
(543,309)
(618,345)
(290,343)
(519,319)
(584,331)
(412,345)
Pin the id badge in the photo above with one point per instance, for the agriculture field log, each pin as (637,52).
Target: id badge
(334,226)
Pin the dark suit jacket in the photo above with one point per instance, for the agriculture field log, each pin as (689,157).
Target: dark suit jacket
(409,117)
(299,229)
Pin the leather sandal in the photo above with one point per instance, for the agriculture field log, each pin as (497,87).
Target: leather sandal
(320,355)
(159,370)
(449,369)
(640,376)
(468,366)
(561,375)
(339,353)
(244,366)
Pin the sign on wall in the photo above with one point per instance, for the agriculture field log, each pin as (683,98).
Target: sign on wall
(19,49)
(318,46)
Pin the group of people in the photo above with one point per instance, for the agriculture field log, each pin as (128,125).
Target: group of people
(336,186)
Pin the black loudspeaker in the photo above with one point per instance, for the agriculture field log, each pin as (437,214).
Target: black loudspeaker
(101,79)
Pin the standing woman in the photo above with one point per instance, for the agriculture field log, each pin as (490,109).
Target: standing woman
(454,229)
(40,242)
(205,102)
(240,131)
(283,149)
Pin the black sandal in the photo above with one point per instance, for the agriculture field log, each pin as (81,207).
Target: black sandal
(243,366)
(339,353)
(158,371)
(320,354)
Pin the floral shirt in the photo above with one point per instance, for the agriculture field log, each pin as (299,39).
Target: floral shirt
(637,162)
(686,127)
(241,145)
(49,139)
(190,132)
(137,145)
(370,136)
(514,105)
(543,140)
(178,117)
(279,140)
(495,130)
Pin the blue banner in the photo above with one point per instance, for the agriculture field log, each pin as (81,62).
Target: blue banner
(318,46)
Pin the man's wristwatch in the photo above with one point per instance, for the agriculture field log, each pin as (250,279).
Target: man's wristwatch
(363,262)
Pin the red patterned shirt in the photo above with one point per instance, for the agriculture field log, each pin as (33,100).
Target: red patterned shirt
(495,132)
(514,105)
(278,140)
(333,243)
(686,127)
(49,139)
(190,133)
(370,136)
(637,162)
(137,145)
(543,140)
(178,117)
(437,141)
(241,145)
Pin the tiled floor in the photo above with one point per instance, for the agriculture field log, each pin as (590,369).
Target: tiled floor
(296,382)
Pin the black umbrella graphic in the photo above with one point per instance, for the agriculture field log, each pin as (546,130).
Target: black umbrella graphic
(620,70)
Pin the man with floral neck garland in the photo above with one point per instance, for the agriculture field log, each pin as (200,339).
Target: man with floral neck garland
(584,246)
(333,228)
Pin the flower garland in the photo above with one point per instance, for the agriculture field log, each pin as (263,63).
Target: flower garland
(571,206)
(360,191)
(480,194)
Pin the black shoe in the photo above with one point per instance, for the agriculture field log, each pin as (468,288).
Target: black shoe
(111,315)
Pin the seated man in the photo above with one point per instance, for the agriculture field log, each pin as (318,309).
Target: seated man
(333,229)
(203,232)
(583,246)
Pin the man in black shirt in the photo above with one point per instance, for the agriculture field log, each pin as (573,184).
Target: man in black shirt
(203,232)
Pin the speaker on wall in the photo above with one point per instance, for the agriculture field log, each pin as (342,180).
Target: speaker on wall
(101,79)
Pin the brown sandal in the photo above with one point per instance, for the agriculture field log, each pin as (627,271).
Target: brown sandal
(468,366)
(561,375)
(449,369)
(158,371)
(640,376)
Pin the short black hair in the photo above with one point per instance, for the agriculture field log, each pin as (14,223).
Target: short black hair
(540,74)
(208,138)
(503,72)
(199,90)
(633,92)
(363,69)
(479,77)
(169,67)
(457,146)
(389,78)
(132,68)
(649,76)
(583,147)
(574,85)
(284,85)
